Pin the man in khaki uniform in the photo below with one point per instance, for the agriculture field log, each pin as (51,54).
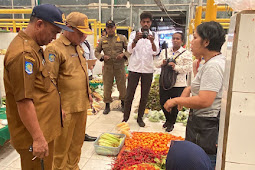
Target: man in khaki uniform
(32,100)
(114,58)
(69,71)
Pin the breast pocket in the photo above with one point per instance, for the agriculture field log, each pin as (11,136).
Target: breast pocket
(105,46)
(119,46)
(46,80)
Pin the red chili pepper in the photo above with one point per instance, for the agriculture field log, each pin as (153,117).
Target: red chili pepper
(136,156)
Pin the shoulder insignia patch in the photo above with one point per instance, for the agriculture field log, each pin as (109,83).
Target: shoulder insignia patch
(29,58)
(28,67)
(118,38)
(52,57)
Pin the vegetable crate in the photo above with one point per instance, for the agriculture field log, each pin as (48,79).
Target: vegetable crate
(109,151)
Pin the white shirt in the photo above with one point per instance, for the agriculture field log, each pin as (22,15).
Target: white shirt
(88,54)
(183,64)
(141,59)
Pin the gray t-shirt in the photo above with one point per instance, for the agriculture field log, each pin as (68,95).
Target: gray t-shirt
(210,78)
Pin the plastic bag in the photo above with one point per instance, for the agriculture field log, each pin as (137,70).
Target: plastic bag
(238,5)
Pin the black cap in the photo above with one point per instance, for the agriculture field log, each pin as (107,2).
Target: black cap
(110,23)
(52,14)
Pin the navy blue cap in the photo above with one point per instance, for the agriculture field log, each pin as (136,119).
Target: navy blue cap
(52,14)
(110,23)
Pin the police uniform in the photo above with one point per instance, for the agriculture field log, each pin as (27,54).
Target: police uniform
(69,71)
(26,76)
(113,68)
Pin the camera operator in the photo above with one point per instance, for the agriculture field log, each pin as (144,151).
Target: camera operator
(143,44)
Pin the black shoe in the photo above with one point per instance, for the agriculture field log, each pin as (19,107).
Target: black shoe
(124,120)
(89,138)
(107,108)
(140,122)
(122,106)
(165,124)
(169,128)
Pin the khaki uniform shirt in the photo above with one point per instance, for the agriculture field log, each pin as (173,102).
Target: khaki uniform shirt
(112,46)
(69,71)
(27,77)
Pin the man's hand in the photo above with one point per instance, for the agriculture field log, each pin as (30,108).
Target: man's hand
(151,38)
(40,147)
(106,57)
(120,56)
(169,104)
(28,116)
(138,36)
(90,99)
(172,64)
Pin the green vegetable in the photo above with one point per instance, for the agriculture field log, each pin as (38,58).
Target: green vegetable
(154,116)
(153,119)
(161,115)
(153,98)
(160,163)
(183,116)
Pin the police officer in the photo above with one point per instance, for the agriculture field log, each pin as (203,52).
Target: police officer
(114,58)
(69,71)
(32,100)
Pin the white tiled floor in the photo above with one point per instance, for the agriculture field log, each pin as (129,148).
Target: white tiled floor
(96,124)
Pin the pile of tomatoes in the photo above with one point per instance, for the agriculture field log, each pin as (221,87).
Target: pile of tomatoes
(158,142)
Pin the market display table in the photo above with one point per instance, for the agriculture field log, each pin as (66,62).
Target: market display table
(4,132)
(144,150)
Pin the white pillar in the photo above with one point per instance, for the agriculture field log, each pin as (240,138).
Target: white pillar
(131,16)
(112,2)
(33,3)
(99,11)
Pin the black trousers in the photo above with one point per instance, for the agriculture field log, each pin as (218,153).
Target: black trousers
(169,94)
(133,79)
(204,132)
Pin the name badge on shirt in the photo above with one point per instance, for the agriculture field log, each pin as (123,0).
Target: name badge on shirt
(28,67)
(30,58)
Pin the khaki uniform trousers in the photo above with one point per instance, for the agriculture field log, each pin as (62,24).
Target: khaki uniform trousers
(68,145)
(109,72)
(27,163)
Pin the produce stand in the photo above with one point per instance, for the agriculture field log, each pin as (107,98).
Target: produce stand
(4,132)
(144,150)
